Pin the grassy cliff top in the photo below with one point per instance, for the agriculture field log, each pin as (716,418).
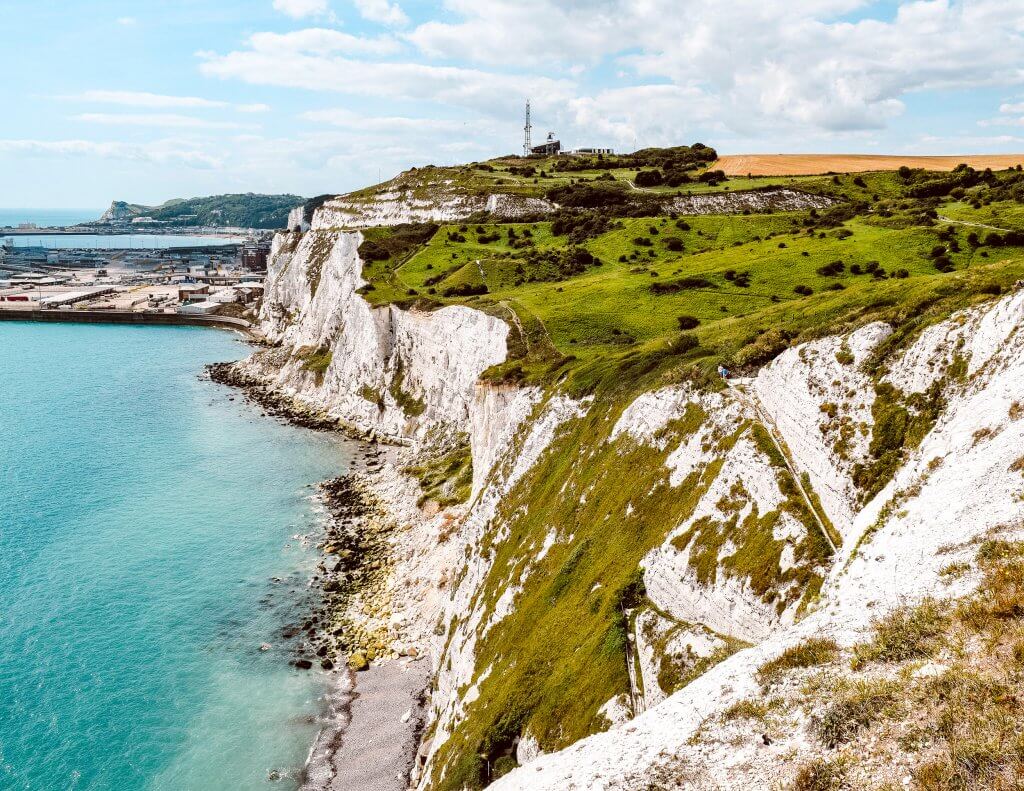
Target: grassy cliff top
(616,281)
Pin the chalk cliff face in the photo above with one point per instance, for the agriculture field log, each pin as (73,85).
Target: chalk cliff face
(780,537)
(446,203)
(392,373)
(956,487)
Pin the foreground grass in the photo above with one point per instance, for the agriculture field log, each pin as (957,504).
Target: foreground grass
(929,701)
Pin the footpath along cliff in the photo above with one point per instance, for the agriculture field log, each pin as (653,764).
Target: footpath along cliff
(684,584)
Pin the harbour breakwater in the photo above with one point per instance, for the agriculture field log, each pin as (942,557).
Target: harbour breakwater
(125,317)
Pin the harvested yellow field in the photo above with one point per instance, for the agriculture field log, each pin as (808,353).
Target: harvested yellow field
(813,164)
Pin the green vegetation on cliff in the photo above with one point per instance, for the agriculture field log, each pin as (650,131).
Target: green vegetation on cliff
(599,290)
(247,210)
(614,294)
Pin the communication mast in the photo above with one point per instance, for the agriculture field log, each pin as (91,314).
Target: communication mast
(527,145)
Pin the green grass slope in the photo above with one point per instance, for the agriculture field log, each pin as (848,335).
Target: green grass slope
(607,300)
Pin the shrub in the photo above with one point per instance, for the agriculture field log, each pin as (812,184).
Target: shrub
(832,269)
(712,177)
(674,244)
(820,775)
(905,633)
(649,178)
(682,284)
(851,711)
(746,709)
(465,290)
(578,224)
(683,343)
(688,322)
(811,652)
(804,291)
(369,250)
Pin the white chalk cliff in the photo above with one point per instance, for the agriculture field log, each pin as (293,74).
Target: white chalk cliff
(414,377)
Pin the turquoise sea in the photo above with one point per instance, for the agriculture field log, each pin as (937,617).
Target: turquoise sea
(134,241)
(146,553)
(46,218)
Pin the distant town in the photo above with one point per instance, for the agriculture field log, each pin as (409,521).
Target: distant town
(210,272)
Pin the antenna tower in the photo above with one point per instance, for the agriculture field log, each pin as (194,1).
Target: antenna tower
(527,145)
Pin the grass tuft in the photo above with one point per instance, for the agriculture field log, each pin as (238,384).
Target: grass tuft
(906,633)
(852,710)
(812,652)
(820,775)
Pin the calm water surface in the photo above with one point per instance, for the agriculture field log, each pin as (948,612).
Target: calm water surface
(48,217)
(136,241)
(144,518)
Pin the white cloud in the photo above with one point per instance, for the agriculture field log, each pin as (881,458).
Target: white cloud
(313,69)
(142,100)
(127,21)
(382,11)
(299,9)
(793,74)
(643,115)
(146,100)
(396,125)
(765,62)
(168,120)
(1011,108)
(322,41)
(159,152)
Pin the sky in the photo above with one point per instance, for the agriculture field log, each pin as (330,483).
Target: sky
(146,101)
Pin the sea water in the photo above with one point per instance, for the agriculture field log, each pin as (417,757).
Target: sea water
(47,218)
(132,241)
(146,557)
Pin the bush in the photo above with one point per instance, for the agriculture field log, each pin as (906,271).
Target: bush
(683,343)
(906,633)
(682,284)
(812,652)
(820,775)
(578,224)
(465,290)
(674,244)
(649,178)
(712,177)
(370,250)
(851,711)
(831,270)
(804,291)
(688,322)
(399,241)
